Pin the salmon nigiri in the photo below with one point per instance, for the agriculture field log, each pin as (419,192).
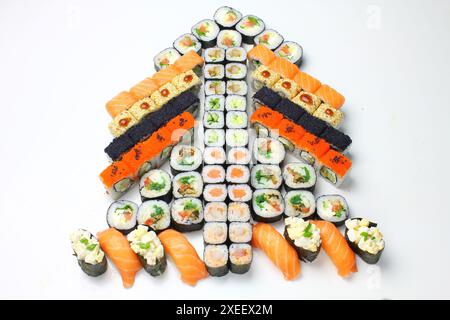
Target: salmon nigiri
(329,95)
(191,267)
(284,68)
(121,102)
(116,246)
(277,249)
(334,244)
(307,82)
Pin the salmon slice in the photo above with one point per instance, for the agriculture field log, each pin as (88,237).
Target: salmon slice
(239,193)
(121,102)
(337,248)
(330,96)
(191,267)
(278,250)
(284,67)
(237,173)
(307,82)
(262,54)
(116,246)
(188,62)
(215,192)
(165,75)
(145,88)
(214,173)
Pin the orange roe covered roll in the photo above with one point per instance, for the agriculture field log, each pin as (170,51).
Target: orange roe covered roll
(310,148)
(334,167)
(117,179)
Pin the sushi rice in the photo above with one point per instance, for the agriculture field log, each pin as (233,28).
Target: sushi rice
(214,156)
(235,103)
(215,103)
(155,214)
(214,137)
(213,174)
(216,212)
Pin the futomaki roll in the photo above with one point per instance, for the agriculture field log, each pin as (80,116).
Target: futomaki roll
(215,103)
(241,256)
(213,174)
(235,71)
(227,17)
(237,87)
(186,43)
(299,176)
(214,138)
(215,87)
(250,26)
(187,214)
(216,212)
(206,31)
(304,237)
(214,55)
(333,208)
(291,51)
(238,212)
(270,38)
(214,72)
(229,39)
(185,159)
(155,214)
(216,260)
(240,193)
(215,193)
(236,138)
(300,203)
(240,232)
(239,156)
(235,103)
(146,244)
(266,176)
(365,239)
(188,185)
(268,151)
(238,174)
(214,156)
(156,185)
(215,233)
(267,205)
(122,216)
(90,256)
(166,58)
(213,120)
(236,54)
(236,120)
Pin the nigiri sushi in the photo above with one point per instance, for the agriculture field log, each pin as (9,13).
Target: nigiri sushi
(307,82)
(260,55)
(166,75)
(336,247)
(117,248)
(120,102)
(330,96)
(145,88)
(277,249)
(284,68)
(191,267)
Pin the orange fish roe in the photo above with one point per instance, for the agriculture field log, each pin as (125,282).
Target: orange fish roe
(337,162)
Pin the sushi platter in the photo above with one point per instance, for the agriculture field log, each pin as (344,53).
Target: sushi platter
(227,138)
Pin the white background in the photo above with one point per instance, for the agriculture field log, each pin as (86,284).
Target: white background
(60,61)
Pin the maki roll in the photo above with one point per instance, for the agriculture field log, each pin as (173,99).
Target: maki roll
(300,203)
(119,146)
(330,115)
(214,156)
(304,237)
(188,185)
(268,151)
(365,239)
(312,124)
(266,176)
(337,139)
(238,174)
(184,82)
(185,159)
(311,149)
(156,185)
(267,206)
(239,156)
(241,256)
(121,123)
(236,138)
(187,42)
(299,176)
(291,51)
(307,101)
(213,120)
(227,17)
(240,232)
(216,212)
(250,26)
(238,212)
(122,216)
(214,55)
(215,193)
(237,87)
(236,120)
(213,174)
(290,110)
(240,193)
(235,71)
(155,214)
(270,38)
(206,31)
(165,58)
(229,39)
(145,243)
(215,87)
(215,103)
(187,215)
(214,138)
(216,260)
(333,208)
(215,233)
(236,54)
(235,103)
(335,167)
(214,72)
(264,77)
(90,256)
(266,97)
(117,179)
(286,88)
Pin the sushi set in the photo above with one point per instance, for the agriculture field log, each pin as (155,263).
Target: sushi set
(232,78)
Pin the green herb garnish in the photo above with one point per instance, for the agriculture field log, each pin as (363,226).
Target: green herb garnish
(296,200)
(259,176)
(144,246)
(187,180)
(365,235)
(260,200)
(84,241)
(190,206)
(307,232)
(91,247)
(157,186)
(159,212)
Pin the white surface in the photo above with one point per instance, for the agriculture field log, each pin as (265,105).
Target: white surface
(60,62)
